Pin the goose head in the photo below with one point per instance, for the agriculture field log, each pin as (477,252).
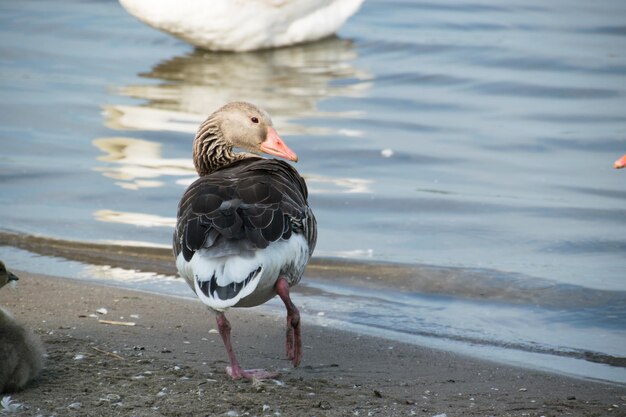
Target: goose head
(5,276)
(237,126)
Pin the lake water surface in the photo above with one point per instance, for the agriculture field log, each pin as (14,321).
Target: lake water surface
(469,143)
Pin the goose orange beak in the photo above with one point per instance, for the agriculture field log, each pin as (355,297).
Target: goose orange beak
(620,163)
(274,145)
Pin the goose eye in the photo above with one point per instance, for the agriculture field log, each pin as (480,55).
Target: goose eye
(254,120)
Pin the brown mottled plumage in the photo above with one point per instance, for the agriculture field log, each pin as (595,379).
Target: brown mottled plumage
(21,354)
(244,231)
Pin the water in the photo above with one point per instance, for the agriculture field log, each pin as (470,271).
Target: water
(471,140)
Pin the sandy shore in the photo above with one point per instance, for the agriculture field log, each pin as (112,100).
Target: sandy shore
(171,363)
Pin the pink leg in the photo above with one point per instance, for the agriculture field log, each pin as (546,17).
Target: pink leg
(294,340)
(234,370)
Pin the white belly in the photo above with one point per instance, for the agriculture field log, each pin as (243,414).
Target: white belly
(252,274)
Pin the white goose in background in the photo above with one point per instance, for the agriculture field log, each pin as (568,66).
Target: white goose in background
(244,25)
(244,230)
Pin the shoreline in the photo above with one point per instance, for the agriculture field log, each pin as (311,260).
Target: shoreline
(378,286)
(465,283)
(171,364)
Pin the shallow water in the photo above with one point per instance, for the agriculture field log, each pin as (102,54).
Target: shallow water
(469,135)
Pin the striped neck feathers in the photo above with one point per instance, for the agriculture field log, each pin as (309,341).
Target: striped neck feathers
(211,151)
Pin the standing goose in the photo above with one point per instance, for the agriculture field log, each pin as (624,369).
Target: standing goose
(244,230)
(21,355)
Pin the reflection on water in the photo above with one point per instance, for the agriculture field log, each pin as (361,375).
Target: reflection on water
(319,184)
(120,117)
(136,159)
(288,82)
(136,219)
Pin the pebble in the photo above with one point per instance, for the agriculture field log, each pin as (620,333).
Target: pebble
(102,311)
(75,406)
(324,405)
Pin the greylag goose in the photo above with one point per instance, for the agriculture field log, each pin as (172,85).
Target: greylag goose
(620,163)
(21,355)
(244,230)
(228,25)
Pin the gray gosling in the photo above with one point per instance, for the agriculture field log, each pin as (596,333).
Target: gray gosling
(21,354)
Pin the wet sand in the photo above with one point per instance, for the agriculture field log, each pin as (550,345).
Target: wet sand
(171,364)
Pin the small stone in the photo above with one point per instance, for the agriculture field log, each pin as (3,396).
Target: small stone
(378,393)
(571,397)
(75,406)
(102,311)
(523,389)
(324,405)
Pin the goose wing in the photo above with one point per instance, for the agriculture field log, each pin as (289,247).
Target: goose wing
(244,206)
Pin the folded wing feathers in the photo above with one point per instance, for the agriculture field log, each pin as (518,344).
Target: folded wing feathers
(259,200)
